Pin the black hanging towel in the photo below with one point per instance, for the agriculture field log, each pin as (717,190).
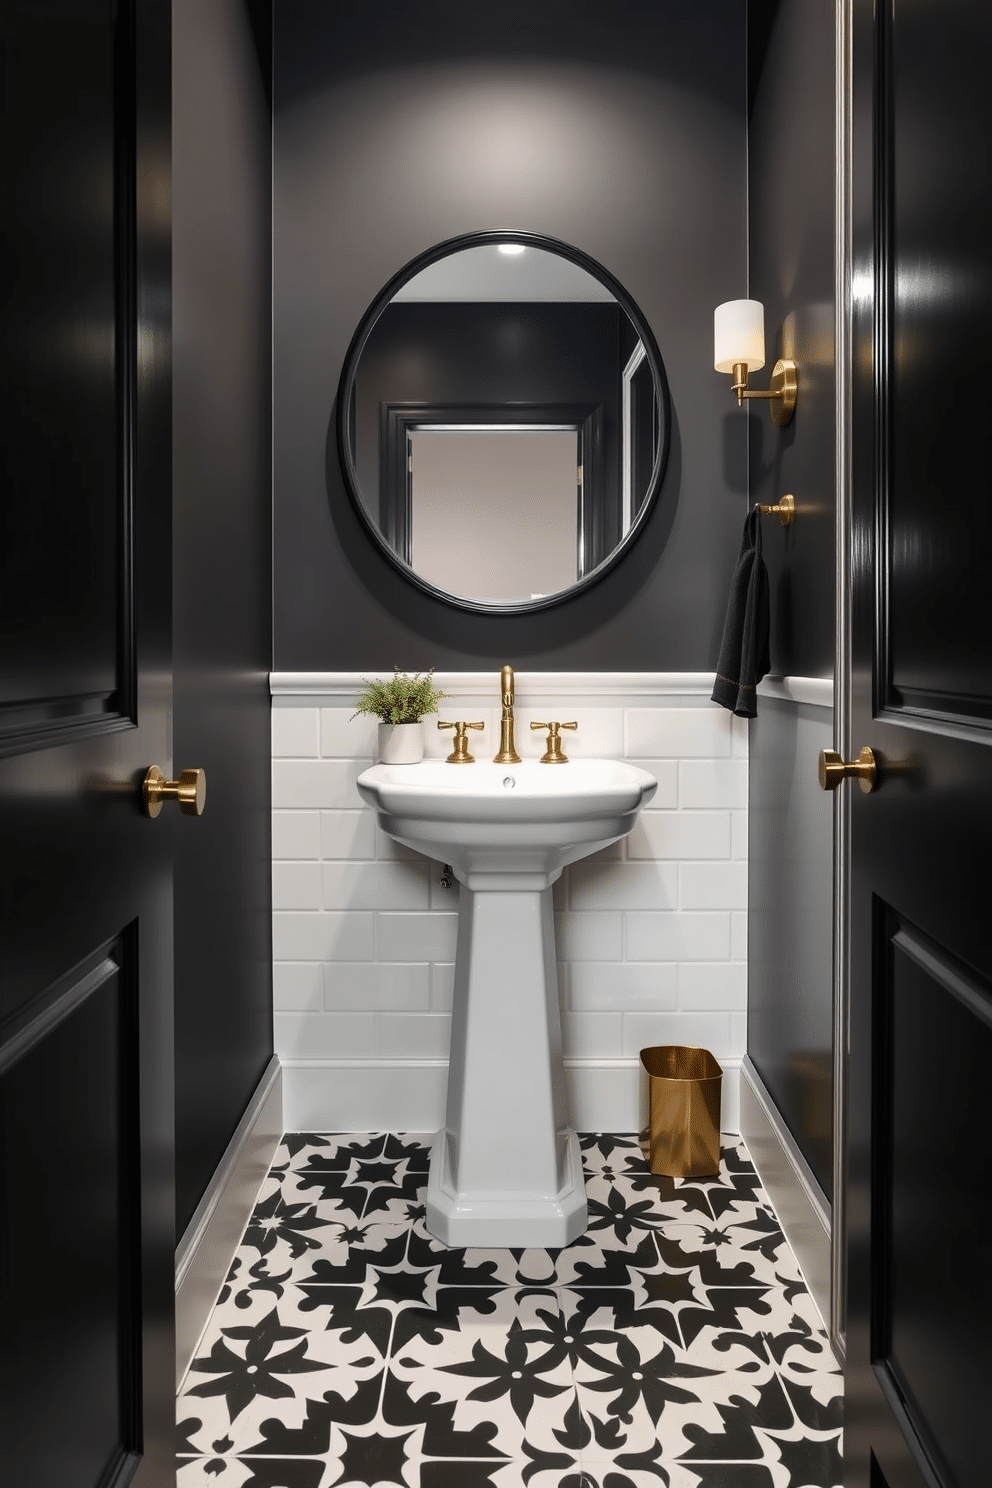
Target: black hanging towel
(744,649)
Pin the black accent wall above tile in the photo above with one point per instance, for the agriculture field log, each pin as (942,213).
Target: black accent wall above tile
(222,545)
(791,241)
(790,888)
(621,130)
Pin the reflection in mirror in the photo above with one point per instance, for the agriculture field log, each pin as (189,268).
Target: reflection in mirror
(503,421)
(521,481)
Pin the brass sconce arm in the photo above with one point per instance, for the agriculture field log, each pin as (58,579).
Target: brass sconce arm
(781,393)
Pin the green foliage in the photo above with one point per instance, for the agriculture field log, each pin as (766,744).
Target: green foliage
(402,699)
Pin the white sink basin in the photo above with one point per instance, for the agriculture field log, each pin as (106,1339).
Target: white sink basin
(526,818)
(505,1169)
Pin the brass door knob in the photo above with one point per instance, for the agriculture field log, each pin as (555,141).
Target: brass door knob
(190,790)
(833,769)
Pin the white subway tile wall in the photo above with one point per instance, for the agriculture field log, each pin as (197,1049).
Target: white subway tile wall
(651,932)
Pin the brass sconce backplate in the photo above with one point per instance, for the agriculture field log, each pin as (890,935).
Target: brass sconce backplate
(780,394)
(783,387)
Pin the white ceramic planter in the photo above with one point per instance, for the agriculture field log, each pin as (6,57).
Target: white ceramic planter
(401,743)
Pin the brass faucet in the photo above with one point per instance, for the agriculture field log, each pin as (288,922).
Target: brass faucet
(507,750)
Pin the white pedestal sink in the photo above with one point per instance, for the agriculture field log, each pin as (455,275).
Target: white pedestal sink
(505,1169)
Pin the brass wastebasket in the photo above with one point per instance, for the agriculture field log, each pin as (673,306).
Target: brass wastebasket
(684,1111)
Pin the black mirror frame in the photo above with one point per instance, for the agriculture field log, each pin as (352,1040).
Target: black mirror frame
(350,370)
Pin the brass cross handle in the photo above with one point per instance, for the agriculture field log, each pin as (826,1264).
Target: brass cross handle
(190,790)
(554,755)
(460,755)
(833,770)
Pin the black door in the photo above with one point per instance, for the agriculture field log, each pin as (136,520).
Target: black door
(86,1113)
(919,1367)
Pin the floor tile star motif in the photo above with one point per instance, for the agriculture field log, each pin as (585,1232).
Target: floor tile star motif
(673,1344)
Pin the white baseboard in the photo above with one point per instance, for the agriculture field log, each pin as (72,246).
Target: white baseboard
(611,1095)
(205,1252)
(403,1095)
(328,1095)
(795,1195)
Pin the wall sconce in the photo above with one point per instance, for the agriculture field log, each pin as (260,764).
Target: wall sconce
(739,348)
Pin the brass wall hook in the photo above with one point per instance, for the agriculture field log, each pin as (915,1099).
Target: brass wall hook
(785,510)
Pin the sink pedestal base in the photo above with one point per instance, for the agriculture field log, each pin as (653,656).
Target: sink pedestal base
(505,1220)
(505,1170)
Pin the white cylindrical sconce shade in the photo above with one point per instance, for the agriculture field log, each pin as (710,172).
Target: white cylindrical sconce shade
(739,335)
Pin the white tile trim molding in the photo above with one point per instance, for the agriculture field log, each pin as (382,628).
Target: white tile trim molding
(816,690)
(651,932)
(616,687)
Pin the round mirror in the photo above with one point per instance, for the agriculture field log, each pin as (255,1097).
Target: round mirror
(503,421)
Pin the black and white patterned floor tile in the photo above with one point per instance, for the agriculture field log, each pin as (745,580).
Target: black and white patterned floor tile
(673,1346)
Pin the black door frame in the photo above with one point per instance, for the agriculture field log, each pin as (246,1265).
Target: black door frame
(398,420)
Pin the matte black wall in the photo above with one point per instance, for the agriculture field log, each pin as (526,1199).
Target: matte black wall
(791,230)
(619,129)
(790,924)
(221,455)
(791,237)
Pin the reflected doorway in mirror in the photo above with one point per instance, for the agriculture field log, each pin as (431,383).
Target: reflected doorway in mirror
(523,481)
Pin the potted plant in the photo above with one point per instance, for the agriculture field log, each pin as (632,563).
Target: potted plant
(399,703)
